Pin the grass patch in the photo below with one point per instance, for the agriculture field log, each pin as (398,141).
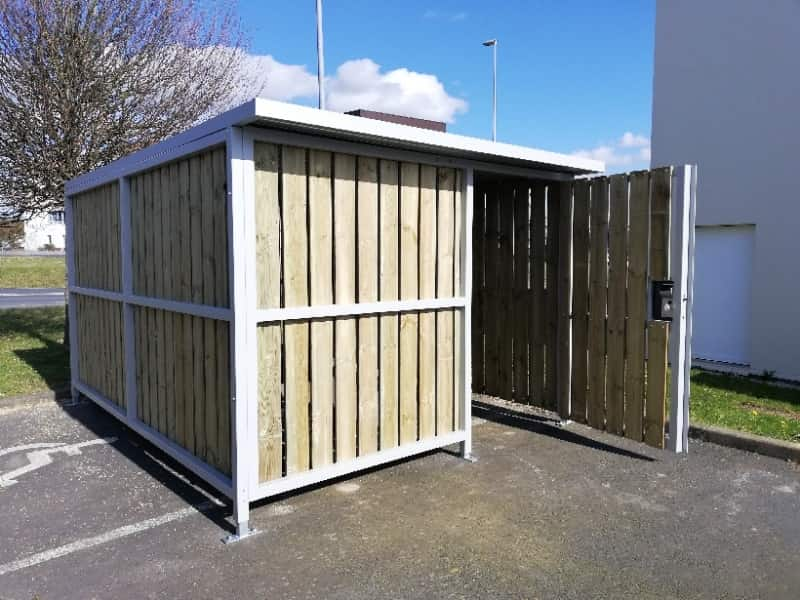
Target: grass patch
(32,356)
(746,404)
(32,271)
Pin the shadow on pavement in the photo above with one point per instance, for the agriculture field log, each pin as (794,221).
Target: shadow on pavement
(544,426)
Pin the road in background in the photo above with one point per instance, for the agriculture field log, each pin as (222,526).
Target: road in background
(31,297)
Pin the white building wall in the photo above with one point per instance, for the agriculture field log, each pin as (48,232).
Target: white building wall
(44,229)
(727,97)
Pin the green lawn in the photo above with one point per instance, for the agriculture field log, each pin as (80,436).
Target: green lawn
(32,271)
(32,357)
(746,404)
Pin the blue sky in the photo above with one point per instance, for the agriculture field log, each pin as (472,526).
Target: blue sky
(572,74)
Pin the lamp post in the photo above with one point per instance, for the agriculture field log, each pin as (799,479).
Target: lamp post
(320,58)
(493,44)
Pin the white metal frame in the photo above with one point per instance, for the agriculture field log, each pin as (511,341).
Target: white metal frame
(684,190)
(314,129)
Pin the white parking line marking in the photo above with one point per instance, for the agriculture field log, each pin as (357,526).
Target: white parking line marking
(106,537)
(41,458)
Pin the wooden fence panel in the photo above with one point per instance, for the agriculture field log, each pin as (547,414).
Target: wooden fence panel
(100,348)
(97,252)
(340,229)
(615,358)
(163,392)
(179,234)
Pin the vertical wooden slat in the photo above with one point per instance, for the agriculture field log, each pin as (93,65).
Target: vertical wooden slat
(268,272)
(492,308)
(344,207)
(220,219)
(505,284)
(409,290)
(658,332)
(444,289)
(551,294)
(389,234)
(295,278)
(615,324)
(562,366)
(521,294)
(537,314)
(427,289)
(580,298)
(222,397)
(597,303)
(478,292)
(209,297)
(637,304)
(185,274)
(368,249)
(320,211)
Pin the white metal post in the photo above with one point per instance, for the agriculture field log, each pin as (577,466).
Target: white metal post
(240,324)
(126,256)
(466,326)
(320,57)
(71,313)
(682,271)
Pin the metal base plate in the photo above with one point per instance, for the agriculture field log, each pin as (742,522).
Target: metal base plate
(232,538)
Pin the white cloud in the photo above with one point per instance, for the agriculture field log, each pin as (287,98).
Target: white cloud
(357,84)
(629,151)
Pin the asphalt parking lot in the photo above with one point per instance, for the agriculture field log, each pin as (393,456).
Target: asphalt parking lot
(92,511)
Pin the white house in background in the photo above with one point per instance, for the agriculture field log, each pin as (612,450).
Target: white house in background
(727,97)
(45,230)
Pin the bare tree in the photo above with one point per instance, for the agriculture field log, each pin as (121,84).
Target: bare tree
(83,82)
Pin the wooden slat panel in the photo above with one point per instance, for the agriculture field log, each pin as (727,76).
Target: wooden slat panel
(196,212)
(296,334)
(96,227)
(444,289)
(427,289)
(615,324)
(521,293)
(551,294)
(409,290)
(209,297)
(320,217)
(222,398)
(505,284)
(389,234)
(655,410)
(478,293)
(563,362)
(537,314)
(597,303)
(492,308)
(344,207)
(580,297)
(637,304)
(658,332)
(367,292)
(185,263)
(268,272)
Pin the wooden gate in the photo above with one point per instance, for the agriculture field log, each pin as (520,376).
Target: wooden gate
(562,277)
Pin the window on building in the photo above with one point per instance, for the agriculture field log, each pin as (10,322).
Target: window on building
(57,216)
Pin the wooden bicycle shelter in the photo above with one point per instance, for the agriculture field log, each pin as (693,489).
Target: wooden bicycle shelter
(283,295)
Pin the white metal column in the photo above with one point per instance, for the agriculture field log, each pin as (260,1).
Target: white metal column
(466,326)
(684,184)
(239,257)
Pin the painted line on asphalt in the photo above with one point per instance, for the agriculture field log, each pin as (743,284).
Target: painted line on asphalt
(104,538)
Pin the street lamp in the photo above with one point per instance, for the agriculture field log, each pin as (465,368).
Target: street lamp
(493,44)
(320,58)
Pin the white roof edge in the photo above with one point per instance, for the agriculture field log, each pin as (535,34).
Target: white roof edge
(324,122)
(391,133)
